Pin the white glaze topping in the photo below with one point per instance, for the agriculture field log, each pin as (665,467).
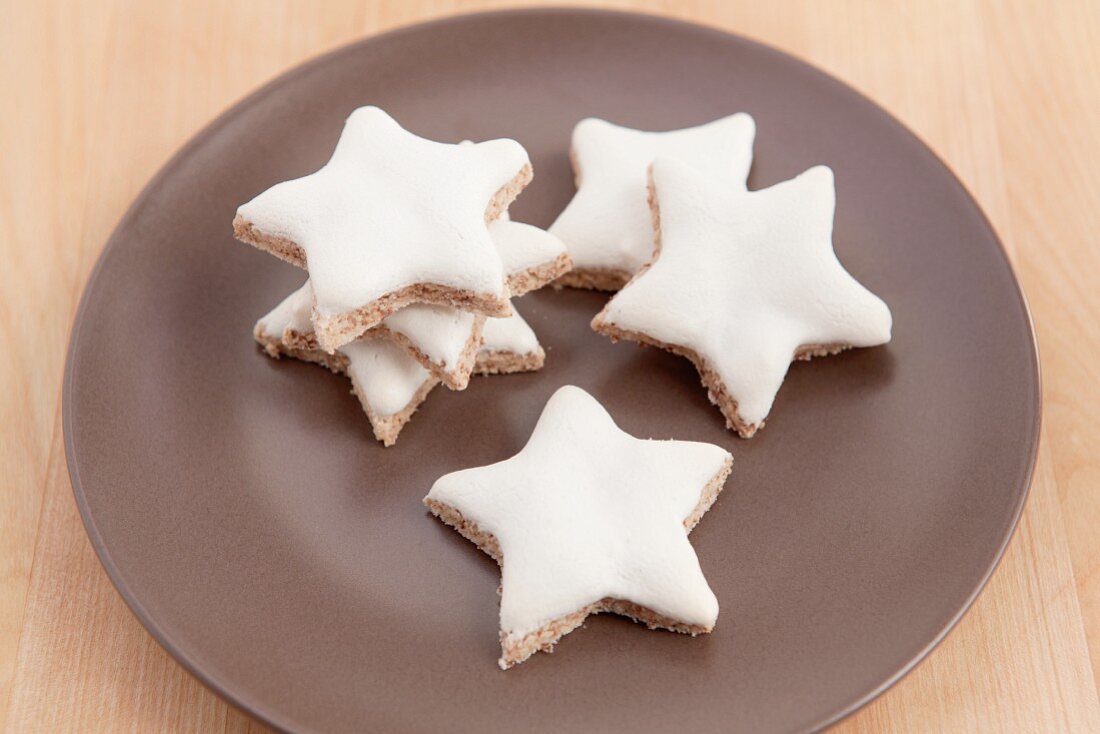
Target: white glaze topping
(390,210)
(524,247)
(746,278)
(385,375)
(441,333)
(292,314)
(586,511)
(607,223)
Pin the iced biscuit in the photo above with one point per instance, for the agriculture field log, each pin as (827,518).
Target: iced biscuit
(588,519)
(392,219)
(742,283)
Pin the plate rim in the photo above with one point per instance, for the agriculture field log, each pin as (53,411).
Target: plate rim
(273,719)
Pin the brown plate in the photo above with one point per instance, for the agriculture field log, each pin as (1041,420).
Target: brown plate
(247,516)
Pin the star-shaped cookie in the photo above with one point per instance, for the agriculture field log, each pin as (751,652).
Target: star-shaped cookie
(391,219)
(742,283)
(588,519)
(606,225)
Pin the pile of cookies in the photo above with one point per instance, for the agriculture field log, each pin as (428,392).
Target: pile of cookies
(413,261)
(412,264)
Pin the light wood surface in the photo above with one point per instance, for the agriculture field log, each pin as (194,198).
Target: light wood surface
(98,95)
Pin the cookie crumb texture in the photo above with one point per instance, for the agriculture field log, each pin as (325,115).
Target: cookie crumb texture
(496,362)
(526,281)
(594,279)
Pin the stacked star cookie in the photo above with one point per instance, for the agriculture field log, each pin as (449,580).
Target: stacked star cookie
(412,264)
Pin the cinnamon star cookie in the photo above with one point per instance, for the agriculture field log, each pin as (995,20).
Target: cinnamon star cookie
(391,219)
(588,519)
(741,283)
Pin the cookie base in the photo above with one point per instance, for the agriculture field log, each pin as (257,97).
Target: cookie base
(280,247)
(296,345)
(507,193)
(496,362)
(337,330)
(517,647)
(534,278)
(594,279)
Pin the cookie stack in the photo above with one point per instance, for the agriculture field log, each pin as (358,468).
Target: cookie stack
(412,264)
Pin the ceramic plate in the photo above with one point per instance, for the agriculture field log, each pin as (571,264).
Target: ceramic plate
(248,517)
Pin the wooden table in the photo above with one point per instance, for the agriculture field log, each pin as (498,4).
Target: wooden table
(98,95)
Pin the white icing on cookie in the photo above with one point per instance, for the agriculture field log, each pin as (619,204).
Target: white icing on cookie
(292,314)
(386,377)
(391,210)
(441,333)
(586,512)
(524,247)
(509,334)
(747,279)
(607,224)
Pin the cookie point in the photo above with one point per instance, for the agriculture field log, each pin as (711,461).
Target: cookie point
(368,112)
(590,123)
(819,174)
(665,166)
(748,121)
(570,391)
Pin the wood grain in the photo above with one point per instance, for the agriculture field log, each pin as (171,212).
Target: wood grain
(100,94)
